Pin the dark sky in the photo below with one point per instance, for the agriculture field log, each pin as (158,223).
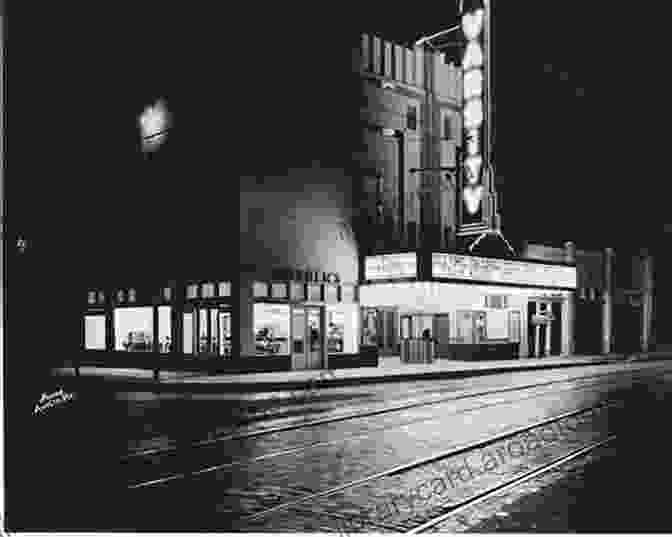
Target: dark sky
(579,93)
(578,147)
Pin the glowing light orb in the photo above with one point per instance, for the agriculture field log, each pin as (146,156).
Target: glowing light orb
(473,114)
(473,84)
(154,123)
(472,196)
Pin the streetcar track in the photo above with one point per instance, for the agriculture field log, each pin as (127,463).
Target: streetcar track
(366,413)
(307,447)
(406,467)
(456,508)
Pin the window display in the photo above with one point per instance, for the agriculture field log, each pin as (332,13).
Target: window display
(188,333)
(342,328)
(165,344)
(133,329)
(271,328)
(94,332)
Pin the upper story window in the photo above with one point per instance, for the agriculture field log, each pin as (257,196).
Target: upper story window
(208,290)
(224,288)
(412,117)
(192,291)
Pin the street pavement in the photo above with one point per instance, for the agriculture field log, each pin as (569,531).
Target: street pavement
(76,446)
(390,368)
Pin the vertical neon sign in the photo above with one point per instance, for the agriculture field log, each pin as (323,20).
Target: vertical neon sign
(473,191)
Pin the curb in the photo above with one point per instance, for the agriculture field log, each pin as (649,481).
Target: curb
(250,387)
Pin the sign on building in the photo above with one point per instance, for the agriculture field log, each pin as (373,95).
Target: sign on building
(391,266)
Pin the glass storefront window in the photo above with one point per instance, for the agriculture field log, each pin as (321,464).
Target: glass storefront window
(369,328)
(165,344)
(203,332)
(498,324)
(94,332)
(514,326)
(342,328)
(133,329)
(271,328)
(188,333)
(225,333)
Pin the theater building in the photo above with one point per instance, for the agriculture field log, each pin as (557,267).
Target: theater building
(474,307)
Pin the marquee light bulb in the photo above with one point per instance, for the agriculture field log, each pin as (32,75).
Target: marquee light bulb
(472,24)
(473,113)
(473,142)
(472,169)
(472,196)
(473,56)
(473,84)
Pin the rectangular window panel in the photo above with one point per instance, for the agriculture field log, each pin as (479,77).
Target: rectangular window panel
(331,293)
(92,297)
(260,289)
(121,296)
(192,291)
(131,295)
(167,294)
(225,332)
(514,326)
(94,332)
(165,343)
(224,288)
(498,324)
(208,290)
(347,293)
(188,333)
(271,328)
(203,331)
(298,291)
(279,290)
(101,297)
(133,329)
(342,328)
(315,292)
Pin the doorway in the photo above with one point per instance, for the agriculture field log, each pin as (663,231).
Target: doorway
(307,337)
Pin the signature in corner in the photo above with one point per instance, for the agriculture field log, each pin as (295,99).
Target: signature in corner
(53,399)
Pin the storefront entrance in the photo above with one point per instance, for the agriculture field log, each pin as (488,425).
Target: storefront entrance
(307,337)
(544,328)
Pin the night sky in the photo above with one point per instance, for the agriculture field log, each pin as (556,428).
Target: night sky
(578,150)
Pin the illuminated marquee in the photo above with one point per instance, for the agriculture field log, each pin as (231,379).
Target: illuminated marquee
(473,84)
(391,266)
(464,267)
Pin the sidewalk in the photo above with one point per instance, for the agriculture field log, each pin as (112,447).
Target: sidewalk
(390,369)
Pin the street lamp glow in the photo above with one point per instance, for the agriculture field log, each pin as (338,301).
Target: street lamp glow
(154,124)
